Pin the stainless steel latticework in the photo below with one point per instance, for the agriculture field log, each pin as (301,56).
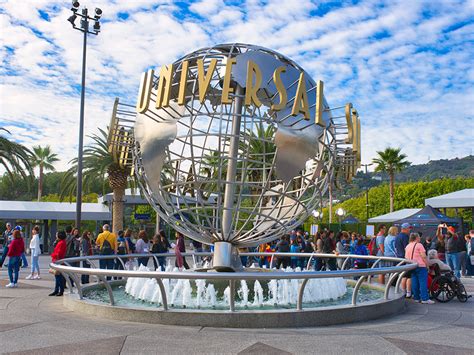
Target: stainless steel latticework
(230,172)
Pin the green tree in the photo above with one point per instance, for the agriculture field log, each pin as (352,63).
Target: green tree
(14,157)
(100,165)
(391,161)
(43,158)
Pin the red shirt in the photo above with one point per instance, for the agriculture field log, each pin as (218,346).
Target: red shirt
(17,247)
(59,251)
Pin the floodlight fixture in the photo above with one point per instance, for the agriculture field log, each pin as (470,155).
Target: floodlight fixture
(98,13)
(340,212)
(97,26)
(75,4)
(72,19)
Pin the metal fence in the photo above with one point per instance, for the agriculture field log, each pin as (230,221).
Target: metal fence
(396,272)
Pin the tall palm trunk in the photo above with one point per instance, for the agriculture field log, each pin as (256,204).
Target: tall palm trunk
(40,182)
(117,209)
(392,189)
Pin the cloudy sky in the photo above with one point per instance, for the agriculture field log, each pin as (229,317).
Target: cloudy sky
(406,65)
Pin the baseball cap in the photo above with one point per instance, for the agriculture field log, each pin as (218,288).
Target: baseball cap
(406,225)
(18,228)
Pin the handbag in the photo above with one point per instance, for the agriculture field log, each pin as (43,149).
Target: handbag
(53,271)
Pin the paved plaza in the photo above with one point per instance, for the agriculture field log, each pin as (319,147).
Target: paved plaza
(33,323)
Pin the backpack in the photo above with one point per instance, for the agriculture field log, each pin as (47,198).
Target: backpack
(373,249)
(122,248)
(131,245)
(106,248)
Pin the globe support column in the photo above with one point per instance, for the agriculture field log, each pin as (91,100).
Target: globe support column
(223,251)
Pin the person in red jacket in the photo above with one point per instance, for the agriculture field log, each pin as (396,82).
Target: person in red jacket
(16,248)
(58,254)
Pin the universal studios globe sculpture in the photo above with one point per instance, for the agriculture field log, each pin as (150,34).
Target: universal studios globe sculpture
(234,145)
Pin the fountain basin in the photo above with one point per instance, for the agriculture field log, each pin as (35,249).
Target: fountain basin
(320,315)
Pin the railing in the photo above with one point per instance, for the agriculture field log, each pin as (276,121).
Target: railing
(396,272)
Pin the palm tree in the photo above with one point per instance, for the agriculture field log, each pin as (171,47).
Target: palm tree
(99,165)
(44,159)
(14,157)
(391,161)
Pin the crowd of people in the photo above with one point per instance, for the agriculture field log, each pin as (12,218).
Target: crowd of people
(446,249)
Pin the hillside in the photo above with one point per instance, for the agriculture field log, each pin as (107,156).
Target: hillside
(435,169)
(407,195)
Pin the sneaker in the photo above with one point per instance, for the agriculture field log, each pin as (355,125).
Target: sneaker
(52,294)
(10,285)
(417,301)
(29,277)
(428,302)
(37,277)
(15,285)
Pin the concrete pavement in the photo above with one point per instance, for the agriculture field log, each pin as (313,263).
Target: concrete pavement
(33,323)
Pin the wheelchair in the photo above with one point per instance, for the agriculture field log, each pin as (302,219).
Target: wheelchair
(444,286)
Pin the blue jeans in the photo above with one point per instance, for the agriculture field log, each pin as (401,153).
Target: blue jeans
(454,263)
(35,264)
(419,283)
(60,282)
(25,261)
(13,268)
(469,266)
(107,264)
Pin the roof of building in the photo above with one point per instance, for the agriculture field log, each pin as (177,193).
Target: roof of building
(133,197)
(394,216)
(53,210)
(457,199)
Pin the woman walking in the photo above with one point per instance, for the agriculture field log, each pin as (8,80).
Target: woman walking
(15,250)
(35,250)
(59,253)
(419,277)
(160,246)
(179,249)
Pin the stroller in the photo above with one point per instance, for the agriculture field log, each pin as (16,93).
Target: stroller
(444,286)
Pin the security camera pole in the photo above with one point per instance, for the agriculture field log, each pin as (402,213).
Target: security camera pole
(84,27)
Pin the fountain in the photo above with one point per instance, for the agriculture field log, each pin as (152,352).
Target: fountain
(234,146)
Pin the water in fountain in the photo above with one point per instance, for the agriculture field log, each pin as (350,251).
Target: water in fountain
(203,294)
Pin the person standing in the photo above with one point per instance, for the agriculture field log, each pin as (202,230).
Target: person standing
(453,252)
(122,249)
(419,277)
(360,249)
(380,244)
(389,248)
(401,242)
(180,248)
(469,238)
(107,244)
(329,247)
(142,247)
(59,253)
(282,247)
(15,250)
(24,263)
(7,239)
(35,251)
(85,250)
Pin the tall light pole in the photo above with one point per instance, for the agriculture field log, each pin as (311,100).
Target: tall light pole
(366,191)
(84,28)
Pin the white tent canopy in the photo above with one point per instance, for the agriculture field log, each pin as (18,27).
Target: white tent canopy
(394,216)
(458,199)
(64,211)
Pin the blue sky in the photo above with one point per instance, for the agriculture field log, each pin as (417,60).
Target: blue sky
(406,65)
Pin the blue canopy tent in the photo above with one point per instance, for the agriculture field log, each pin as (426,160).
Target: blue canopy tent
(427,221)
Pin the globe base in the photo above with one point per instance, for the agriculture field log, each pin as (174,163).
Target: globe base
(226,258)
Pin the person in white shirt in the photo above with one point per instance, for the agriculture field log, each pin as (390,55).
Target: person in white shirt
(35,250)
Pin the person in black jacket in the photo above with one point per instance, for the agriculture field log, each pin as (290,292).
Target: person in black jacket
(283,246)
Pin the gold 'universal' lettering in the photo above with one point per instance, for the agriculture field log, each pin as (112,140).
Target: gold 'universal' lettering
(183,82)
(204,79)
(280,88)
(251,88)
(144,93)
(226,89)
(320,104)
(164,86)
(350,130)
(301,99)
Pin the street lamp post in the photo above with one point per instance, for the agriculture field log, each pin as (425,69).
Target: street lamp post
(366,191)
(84,28)
(340,212)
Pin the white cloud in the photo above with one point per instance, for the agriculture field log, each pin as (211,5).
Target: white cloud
(406,66)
